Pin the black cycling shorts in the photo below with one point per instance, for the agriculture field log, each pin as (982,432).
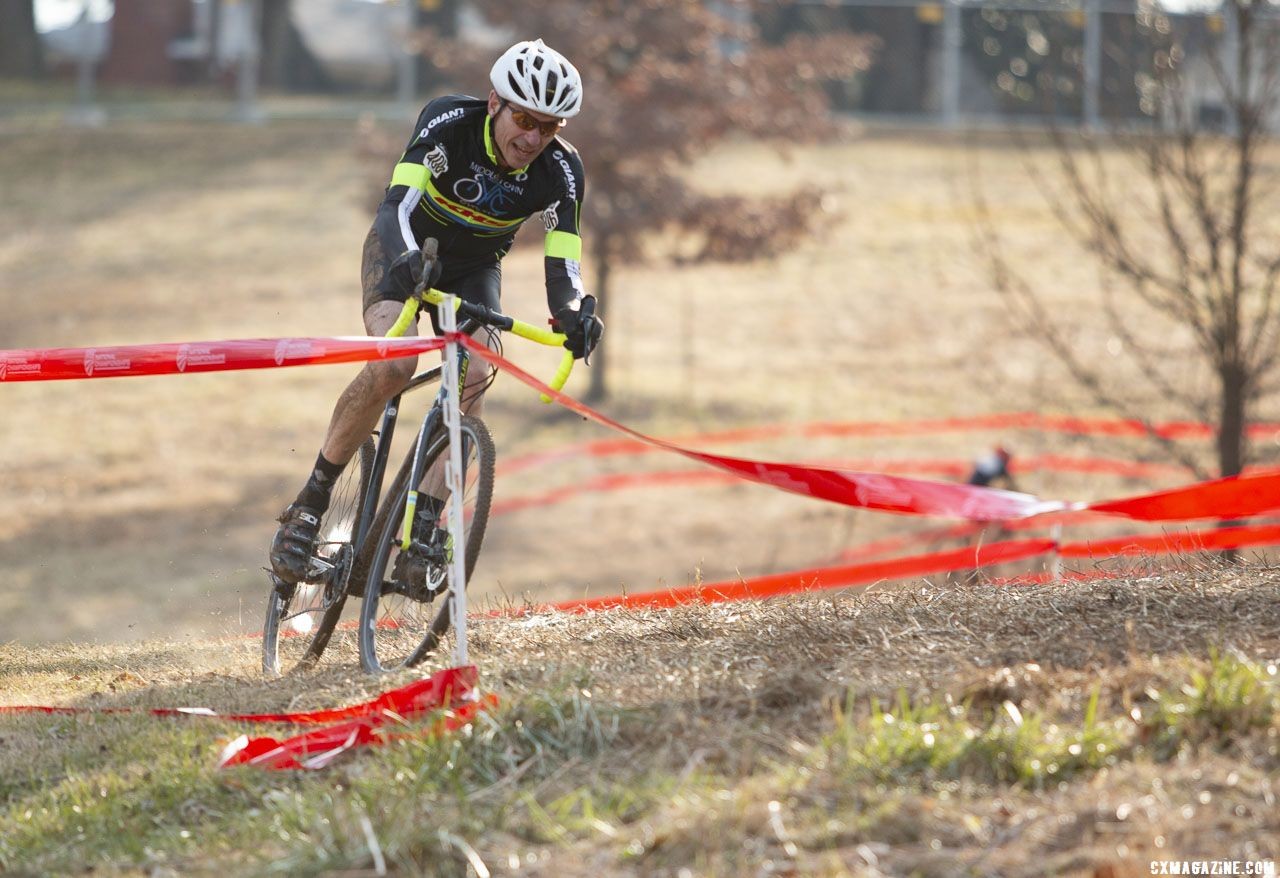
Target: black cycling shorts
(479,285)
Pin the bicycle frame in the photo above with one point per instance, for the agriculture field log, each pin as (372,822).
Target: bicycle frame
(431,421)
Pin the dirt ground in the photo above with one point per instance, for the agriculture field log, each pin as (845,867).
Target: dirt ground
(138,508)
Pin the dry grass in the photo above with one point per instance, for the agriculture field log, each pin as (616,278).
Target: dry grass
(647,743)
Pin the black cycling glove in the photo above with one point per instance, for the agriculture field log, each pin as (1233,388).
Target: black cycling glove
(407,270)
(582,328)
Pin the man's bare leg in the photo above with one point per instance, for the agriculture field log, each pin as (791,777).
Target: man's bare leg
(354,417)
(360,405)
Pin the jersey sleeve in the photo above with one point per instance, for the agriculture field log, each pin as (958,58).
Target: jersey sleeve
(563,219)
(427,154)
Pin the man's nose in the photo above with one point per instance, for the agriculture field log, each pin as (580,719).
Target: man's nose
(529,139)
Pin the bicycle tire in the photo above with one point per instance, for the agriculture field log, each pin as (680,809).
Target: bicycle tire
(298,627)
(394,625)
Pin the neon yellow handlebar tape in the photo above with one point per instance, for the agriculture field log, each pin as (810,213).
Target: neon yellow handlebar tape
(539,334)
(561,376)
(405,320)
(435,297)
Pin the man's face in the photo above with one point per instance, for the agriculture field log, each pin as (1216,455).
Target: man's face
(520,135)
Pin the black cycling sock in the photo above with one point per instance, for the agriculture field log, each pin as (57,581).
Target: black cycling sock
(315,494)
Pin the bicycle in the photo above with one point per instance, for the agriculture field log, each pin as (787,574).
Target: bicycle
(363,539)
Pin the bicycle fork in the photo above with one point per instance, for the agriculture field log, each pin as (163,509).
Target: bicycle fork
(427,430)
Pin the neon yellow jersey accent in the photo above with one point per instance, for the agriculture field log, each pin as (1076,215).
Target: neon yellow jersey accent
(564,245)
(411,175)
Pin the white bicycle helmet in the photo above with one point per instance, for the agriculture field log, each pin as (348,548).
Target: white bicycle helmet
(538,78)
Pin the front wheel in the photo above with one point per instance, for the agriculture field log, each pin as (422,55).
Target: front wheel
(403,618)
(301,618)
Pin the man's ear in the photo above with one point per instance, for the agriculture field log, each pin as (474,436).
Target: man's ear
(494,102)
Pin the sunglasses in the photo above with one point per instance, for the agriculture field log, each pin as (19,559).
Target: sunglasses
(527,122)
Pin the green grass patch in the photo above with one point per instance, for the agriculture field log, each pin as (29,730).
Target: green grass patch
(1232,698)
(936,739)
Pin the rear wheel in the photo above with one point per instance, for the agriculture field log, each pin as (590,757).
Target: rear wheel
(402,622)
(301,618)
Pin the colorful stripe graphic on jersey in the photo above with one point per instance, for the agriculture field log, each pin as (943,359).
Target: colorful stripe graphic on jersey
(468,215)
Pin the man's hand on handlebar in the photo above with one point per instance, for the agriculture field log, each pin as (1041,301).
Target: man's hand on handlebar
(582,328)
(416,269)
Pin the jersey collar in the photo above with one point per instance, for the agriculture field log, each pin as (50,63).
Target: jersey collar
(493,153)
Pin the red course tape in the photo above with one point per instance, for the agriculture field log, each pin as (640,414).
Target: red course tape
(450,690)
(1226,498)
(798,581)
(61,364)
(1238,496)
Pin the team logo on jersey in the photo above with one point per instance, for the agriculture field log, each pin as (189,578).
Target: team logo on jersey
(570,180)
(443,117)
(550,218)
(485,192)
(437,160)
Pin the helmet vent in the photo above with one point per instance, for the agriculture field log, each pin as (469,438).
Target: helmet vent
(515,87)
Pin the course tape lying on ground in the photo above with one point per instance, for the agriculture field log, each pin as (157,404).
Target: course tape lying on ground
(1235,497)
(451,690)
(62,364)
(967,558)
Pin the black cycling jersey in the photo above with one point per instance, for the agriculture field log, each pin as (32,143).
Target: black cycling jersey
(448,185)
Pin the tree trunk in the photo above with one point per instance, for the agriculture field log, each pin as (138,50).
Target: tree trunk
(1231,420)
(596,391)
(21,54)
(441,17)
(287,62)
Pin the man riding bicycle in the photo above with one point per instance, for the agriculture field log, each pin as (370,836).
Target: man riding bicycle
(473,172)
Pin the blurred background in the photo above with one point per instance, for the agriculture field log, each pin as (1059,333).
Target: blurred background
(796,213)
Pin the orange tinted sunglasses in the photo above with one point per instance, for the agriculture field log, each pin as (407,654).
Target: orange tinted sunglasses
(527,122)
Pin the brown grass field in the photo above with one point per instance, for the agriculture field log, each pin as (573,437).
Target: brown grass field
(135,515)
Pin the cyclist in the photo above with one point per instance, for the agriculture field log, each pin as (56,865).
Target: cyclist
(473,172)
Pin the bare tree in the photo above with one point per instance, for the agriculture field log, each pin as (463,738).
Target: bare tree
(20,50)
(1178,218)
(666,81)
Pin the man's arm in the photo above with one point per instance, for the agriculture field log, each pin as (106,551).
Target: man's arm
(562,219)
(425,156)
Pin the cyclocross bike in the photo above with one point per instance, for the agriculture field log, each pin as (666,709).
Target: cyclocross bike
(366,548)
